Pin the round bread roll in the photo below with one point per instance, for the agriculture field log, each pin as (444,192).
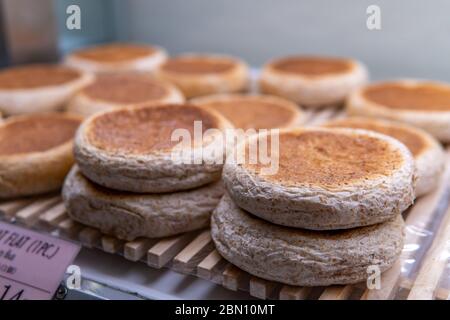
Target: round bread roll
(428,154)
(129,215)
(253,111)
(117,57)
(312,81)
(38,87)
(424,104)
(301,257)
(152,149)
(111,91)
(203,74)
(326,179)
(35,153)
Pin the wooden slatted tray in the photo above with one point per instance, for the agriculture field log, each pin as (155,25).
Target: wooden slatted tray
(417,275)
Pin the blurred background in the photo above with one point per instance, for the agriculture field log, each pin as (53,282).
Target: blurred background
(414,39)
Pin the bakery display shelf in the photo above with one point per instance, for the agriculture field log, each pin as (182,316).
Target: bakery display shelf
(420,273)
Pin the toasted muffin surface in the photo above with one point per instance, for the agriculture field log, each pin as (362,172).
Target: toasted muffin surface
(422,96)
(36,76)
(36,133)
(253,112)
(197,65)
(415,142)
(312,65)
(116,52)
(147,129)
(126,88)
(331,159)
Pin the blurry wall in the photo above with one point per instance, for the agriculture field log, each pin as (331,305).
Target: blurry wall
(414,40)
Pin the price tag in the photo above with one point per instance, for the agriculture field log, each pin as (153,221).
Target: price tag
(32,264)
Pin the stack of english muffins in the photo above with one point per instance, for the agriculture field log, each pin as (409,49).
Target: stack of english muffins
(332,209)
(144,168)
(129,181)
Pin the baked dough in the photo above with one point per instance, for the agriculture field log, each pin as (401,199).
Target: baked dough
(428,154)
(111,91)
(131,149)
(253,111)
(312,81)
(424,104)
(203,74)
(327,179)
(129,216)
(35,153)
(39,87)
(117,57)
(301,257)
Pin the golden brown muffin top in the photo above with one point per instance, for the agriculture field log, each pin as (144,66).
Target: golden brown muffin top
(253,112)
(36,76)
(116,52)
(126,88)
(36,133)
(146,130)
(312,66)
(198,64)
(424,96)
(331,158)
(410,137)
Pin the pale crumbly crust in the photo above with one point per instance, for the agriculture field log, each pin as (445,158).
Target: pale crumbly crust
(195,85)
(129,216)
(300,257)
(437,123)
(314,207)
(313,92)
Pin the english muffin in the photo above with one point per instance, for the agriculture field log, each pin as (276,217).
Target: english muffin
(38,87)
(312,81)
(428,154)
(301,257)
(326,179)
(35,153)
(203,74)
(111,91)
(117,57)
(129,215)
(152,149)
(424,104)
(253,111)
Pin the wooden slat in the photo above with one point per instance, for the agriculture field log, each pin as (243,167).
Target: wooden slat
(261,288)
(233,277)
(136,250)
(70,228)
(336,293)
(164,250)
(9,209)
(29,214)
(53,216)
(185,261)
(294,293)
(89,237)
(111,244)
(433,264)
(206,267)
